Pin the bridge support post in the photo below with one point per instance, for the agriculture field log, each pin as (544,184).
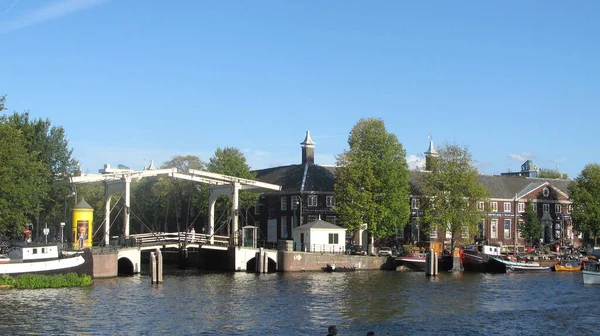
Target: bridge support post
(127,196)
(156,267)
(431,263)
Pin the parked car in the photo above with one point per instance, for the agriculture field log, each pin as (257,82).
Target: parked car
(356,250)
(384,252)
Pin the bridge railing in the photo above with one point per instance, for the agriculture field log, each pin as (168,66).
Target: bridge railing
(178,237)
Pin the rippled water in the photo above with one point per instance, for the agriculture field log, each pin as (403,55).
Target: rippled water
(389,303)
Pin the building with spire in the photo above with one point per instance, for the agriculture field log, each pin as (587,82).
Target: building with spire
(431,155)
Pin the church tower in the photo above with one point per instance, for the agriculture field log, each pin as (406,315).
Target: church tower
(308,149)
(431,155)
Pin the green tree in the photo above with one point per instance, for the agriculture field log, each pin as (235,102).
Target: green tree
(532,229)
(452,191)
(585,194)
(552,174)
(371,181)
(21,182)
(231,161)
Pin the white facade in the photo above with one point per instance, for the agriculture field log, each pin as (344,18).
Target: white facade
(320,236)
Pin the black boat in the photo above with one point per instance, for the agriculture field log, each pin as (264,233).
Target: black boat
(333,268)
(476,258)
(417,262)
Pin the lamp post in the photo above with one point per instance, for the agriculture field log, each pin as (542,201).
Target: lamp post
(62,226)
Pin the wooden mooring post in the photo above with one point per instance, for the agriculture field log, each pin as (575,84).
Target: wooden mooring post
(156,266)
(431,263)
(262,263)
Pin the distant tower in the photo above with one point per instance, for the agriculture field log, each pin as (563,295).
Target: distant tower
(431,155)
(308,149)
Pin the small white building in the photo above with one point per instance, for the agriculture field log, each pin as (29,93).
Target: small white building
(320,236)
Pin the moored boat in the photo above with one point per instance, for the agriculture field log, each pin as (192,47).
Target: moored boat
(568,266)
(475,258)
(591,275)
(497,265)
(418,261)
(334,268)
(44,259)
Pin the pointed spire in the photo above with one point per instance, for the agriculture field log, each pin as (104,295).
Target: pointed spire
(308,142)
(151,166)
(431,150)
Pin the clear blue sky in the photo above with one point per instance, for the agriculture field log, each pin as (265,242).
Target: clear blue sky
(134,81)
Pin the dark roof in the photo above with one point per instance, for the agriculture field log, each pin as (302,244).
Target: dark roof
(292,178)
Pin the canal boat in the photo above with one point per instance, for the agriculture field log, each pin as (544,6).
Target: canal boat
(567,266)
(498,265)
(44,259)
(476,258)
(417,262)
(591,274)
(334,268)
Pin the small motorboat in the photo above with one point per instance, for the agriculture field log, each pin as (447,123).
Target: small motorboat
(591,274)
(568,266)
(334,268)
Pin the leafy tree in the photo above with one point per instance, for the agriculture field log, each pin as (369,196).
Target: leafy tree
(452,192)
(231,161)
(552,174)
(532,229)
(2,100)
(585,194)
(21,182)
(372,181)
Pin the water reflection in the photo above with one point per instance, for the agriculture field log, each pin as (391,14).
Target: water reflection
(306,303)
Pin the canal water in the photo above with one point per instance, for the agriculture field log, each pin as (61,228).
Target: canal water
(387,302)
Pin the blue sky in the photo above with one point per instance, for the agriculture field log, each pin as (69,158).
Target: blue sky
(134,81)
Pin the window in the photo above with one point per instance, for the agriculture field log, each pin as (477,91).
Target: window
(329,201)
(284,203)
(507,228)
(521,207)
(546,208)
(480,206)
(569,208)
(465,233)
(520,235)
(44,250)
(448,235)
(506,207)
(295,202)
(415,203)
(494,229)
(284,232)
(433,234)
(312,200)
(312,218)
(334,237)
(481,227)
(557,208)
(257,209)
(34,251)
(534,206)
(494,206)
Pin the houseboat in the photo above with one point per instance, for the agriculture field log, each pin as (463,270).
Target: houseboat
(476,258)
(44,259)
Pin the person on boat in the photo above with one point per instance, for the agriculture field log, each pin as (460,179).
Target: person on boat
(332,330)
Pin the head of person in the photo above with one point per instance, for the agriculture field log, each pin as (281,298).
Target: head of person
(332,330)
(370,333)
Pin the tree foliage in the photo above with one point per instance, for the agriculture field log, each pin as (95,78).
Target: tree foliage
(585,194)
(532,228)
(22,186)
(552,174)
(231,161)
(452,192)
(372,180)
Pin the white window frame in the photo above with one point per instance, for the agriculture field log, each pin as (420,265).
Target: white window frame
(507,236)
(506,206)
(283,202)
(334,238)
(465,233)
(312,218)
(521,207)
(494,229)
(448,234)
(415,203)
(494,206)
(331,219)
(295,201)
(284,232)
(480,205)
(557,208)
(329,201)
(434,233)
(546,208)
(312,200)
(569,208)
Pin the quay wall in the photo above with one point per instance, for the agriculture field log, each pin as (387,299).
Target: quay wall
(310,261)
(105,265)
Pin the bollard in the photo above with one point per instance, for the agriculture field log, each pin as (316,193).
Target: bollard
(431,264)
(153,267)
(159,266)
(258,257)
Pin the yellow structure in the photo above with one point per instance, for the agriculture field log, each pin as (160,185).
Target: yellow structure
(82,219)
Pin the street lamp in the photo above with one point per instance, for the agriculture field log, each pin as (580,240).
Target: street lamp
(62,226)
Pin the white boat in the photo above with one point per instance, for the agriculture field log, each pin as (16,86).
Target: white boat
(591,275)
(43,259)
